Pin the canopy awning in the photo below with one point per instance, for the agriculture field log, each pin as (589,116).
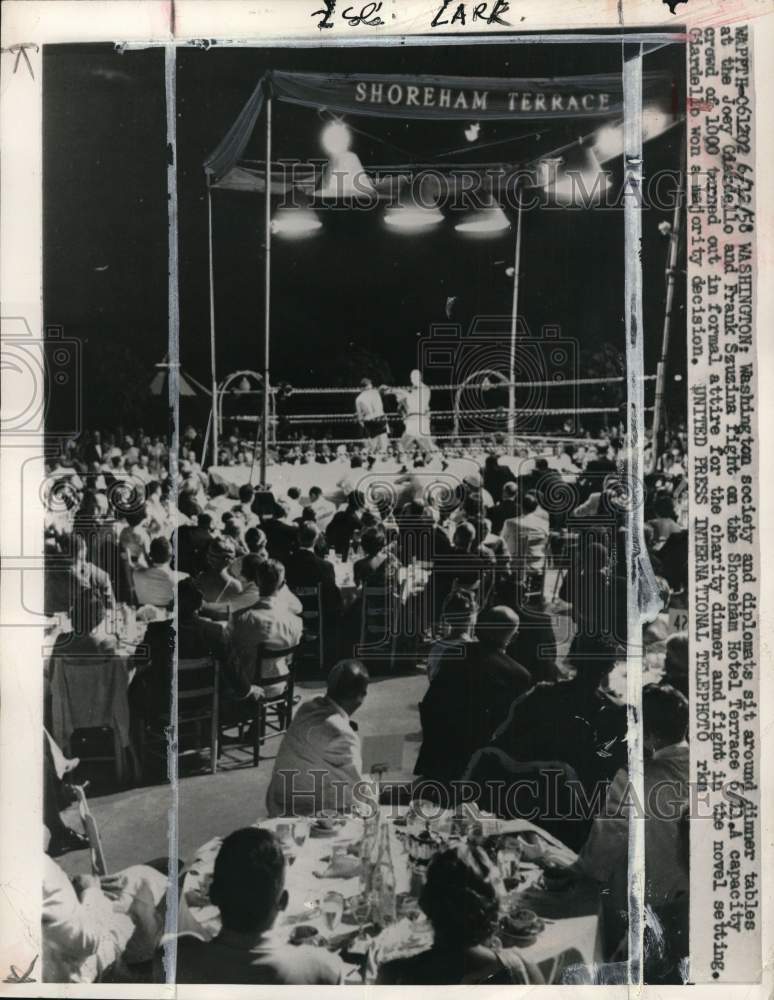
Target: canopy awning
(432,97)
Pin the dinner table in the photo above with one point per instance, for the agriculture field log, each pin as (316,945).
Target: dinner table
(412,580)
(344,573)
(323,863)
(92,691)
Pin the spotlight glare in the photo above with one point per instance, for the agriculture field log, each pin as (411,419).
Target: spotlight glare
(296,222)
(609,142)
(654,122)
(488,220)
(584,184)
(335,138)
(411,218)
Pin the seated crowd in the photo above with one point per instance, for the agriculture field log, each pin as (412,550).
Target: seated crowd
(269,581)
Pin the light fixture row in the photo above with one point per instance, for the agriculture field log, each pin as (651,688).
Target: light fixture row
(406,218)
(564,177)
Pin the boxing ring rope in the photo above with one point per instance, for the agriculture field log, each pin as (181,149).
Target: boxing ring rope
(451,386)
(457,414)
(444,414)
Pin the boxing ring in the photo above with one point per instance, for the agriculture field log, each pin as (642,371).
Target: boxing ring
(288,430)
(598,98)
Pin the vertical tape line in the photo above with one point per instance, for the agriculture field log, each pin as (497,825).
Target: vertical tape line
(632,105)
(170,949)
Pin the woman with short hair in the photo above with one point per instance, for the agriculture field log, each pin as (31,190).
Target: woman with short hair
(460,901)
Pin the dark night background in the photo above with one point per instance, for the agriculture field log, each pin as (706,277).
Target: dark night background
(354,289)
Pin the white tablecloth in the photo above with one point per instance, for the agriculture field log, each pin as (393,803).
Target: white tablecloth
(432,478)
(573,923)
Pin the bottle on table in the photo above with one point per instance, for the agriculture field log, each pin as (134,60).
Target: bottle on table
(369,842)
(383,883)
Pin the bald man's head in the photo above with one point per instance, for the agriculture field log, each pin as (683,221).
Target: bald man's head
(497,626)
(348,684)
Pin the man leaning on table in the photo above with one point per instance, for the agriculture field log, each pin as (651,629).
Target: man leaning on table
(319,761)
(248,887)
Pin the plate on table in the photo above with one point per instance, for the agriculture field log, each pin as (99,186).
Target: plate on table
(321,828)
(520,928)
(345,866)
(307,934)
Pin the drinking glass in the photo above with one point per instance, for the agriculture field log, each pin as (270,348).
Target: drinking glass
(300,832)
(332,909)
(284,833)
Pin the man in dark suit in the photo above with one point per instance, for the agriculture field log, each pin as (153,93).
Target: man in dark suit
(281,537)
(507,508)
(596,470)
(534,645)
(496,476)
(470,697)
(575,721)
(305,569)
(94,452)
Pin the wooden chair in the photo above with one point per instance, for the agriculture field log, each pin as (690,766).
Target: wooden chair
(198,713)
(562,557)
(312,645)
(271,715)
(535,583)
(380,611)
(90,707)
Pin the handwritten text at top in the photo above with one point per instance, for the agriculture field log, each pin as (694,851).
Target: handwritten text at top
(449,13)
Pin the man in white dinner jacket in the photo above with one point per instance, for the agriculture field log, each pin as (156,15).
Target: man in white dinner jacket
(319,761)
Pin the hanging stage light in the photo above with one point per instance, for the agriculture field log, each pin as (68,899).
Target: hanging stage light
(608,141)
(295,222)
(411,216)
(412,213)
(490,218)
(344,177)
(577,179)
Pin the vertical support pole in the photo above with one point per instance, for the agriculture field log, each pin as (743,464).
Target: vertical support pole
(632,106)
(674,244)
(514,319)
(267,298)
(213,361)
